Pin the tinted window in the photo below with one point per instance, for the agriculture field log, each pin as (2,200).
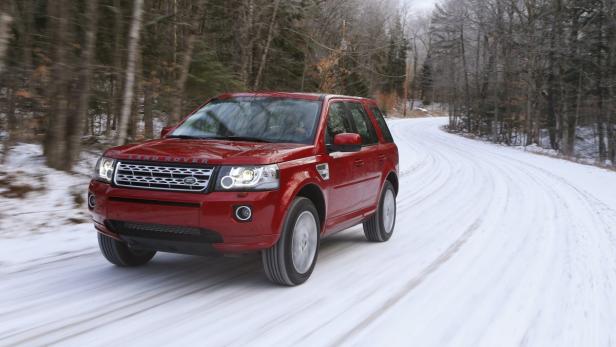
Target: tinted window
(362,123)
(260,118)
(381,120)
(337,122)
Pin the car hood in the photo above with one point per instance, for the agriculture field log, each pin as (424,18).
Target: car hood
(216,152)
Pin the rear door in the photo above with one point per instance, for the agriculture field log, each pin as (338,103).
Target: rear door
(380,119)
(387,154)
(370,169)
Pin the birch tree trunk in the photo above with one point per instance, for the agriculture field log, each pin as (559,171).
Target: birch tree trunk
(5,25)
(268,42)
(133,50)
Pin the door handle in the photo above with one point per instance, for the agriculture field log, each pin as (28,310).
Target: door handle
(382,157)
(358,162)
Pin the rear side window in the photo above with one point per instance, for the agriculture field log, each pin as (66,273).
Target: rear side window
(362,123)
(381,120)
(337,122)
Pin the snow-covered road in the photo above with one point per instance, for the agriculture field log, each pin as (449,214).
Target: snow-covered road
(493,246)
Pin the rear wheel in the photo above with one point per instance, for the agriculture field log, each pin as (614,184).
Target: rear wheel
(380,226)
(118,253)
(291,260)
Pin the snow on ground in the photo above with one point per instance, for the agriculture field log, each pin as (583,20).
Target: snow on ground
(493,247)
(43,212)
(585,151)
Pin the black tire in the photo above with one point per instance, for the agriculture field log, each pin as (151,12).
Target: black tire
(374,227)
(277,260)
(118,253)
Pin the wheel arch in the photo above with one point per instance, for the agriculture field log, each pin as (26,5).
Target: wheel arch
(313,192)
(393,179)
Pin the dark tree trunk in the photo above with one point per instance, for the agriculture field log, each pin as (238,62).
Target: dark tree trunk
(148,100)
(176,112)
(115,97)
(184,68)
(601,118)
(551,80)
(55,145)
(11,124)
(76,125)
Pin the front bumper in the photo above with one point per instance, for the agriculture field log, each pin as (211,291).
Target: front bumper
(210,213)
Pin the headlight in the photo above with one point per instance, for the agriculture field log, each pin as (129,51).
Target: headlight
(248,178)
(104,169)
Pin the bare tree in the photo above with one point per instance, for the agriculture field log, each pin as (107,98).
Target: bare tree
(183,69)
(133,49)
(115,99)
(549,65)
(74,130)
(268,42)
(55,145)
(247,39)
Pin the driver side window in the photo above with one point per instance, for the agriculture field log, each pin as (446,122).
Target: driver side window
(338,122)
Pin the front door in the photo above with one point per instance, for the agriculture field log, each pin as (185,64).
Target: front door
(346,169)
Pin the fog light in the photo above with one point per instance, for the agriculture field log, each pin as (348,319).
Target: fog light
(243,213)
(91,201)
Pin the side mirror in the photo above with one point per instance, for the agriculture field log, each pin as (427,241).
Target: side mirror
(346,142)
(164,131)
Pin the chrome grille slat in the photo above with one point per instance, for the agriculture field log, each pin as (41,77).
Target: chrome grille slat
(162,177)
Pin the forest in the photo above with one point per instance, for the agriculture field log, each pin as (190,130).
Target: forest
(528,72)
(518,72)
(77,72)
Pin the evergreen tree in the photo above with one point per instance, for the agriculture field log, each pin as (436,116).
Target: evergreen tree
(426,82)
(395,66)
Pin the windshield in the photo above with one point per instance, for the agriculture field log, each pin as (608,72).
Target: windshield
(258,119)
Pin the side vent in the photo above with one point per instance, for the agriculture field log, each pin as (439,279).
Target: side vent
(323,170)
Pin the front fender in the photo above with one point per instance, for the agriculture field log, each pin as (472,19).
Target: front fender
(293,180)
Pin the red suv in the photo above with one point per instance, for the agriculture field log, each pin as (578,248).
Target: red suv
(268,172)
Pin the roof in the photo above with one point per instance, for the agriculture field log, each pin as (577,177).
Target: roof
(293,95)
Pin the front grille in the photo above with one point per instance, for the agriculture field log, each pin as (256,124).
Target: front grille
(163,177)
(164,232)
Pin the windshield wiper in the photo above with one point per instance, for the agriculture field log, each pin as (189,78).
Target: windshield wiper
(241,138)
(185,137)
(231,138)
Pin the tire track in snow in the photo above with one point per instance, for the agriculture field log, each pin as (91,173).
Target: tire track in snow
(113,310)
(412,283)
(546,265)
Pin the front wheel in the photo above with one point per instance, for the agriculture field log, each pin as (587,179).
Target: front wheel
(291,260)
(380,226)
(118,253)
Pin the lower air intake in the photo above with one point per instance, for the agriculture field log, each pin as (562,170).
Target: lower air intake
(164,232)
